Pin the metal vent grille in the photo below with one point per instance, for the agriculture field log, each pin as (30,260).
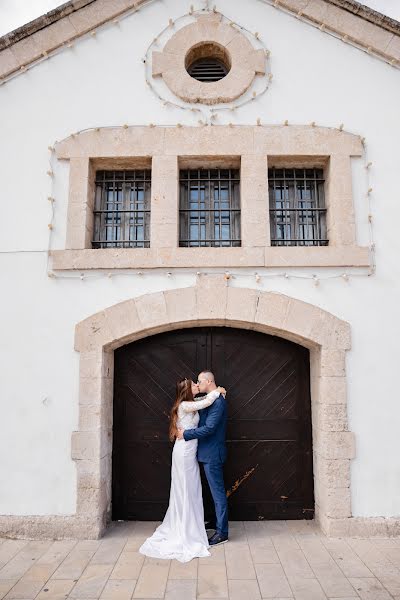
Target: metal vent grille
(207,69)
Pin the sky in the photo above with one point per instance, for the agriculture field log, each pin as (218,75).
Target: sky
(15,13)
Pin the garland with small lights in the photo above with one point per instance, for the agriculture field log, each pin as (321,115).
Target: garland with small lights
(345,276)
(259,277)
(46,55)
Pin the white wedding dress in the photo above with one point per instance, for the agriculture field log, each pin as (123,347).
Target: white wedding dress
(182,534)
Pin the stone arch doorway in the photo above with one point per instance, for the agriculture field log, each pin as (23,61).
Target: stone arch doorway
(268,473)
(212,302)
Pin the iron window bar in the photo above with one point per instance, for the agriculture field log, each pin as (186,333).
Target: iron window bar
(122,209)
(209,213)
(297,207)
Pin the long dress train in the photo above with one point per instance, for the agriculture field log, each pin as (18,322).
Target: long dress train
(182,534)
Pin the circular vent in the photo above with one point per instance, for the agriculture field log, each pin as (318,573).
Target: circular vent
(208,62)
(208,69)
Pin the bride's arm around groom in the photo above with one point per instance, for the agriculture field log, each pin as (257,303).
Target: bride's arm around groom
(204,402)
(214,417)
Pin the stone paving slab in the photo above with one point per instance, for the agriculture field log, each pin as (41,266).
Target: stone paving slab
(284,560)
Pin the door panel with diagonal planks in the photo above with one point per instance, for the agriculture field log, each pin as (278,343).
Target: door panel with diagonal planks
(268,474)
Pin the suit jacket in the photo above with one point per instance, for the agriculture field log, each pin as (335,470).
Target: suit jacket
(211,432)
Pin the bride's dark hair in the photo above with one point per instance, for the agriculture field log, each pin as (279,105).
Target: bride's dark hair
(183,394)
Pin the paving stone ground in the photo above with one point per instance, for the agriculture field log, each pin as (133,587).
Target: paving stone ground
(275,559)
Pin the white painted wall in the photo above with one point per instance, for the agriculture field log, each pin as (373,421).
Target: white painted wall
(316,78)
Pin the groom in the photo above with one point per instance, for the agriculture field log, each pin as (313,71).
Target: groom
(211,451)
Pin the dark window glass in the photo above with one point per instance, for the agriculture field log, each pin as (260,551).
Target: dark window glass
(122,209)
(297,207)
(209,212)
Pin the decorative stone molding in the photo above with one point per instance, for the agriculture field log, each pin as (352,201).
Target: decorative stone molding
(208,36)
(156,258)
(96,338)
(253,148)
(219,140)
(51,32)
(327,337)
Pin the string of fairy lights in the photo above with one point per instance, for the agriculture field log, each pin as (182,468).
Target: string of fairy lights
(228,275)
(126,13)
(279,4)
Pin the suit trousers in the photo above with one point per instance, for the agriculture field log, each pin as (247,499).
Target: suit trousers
(215,477)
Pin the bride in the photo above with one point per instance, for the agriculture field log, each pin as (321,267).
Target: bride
(182,534)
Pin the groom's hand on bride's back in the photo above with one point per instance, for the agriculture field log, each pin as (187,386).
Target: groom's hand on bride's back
(179,435)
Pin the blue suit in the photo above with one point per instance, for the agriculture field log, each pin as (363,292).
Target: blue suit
(211,451)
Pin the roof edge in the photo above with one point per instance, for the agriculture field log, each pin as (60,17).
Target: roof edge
(41,22)
(349,20)
(352,6)
(368,14)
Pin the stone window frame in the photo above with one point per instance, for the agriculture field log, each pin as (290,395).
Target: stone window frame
(194,162)
(166,148)
(296,212)
(127,223)
(243,60)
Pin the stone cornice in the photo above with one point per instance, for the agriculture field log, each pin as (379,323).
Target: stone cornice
(348,19)
(41,22)
(367,13)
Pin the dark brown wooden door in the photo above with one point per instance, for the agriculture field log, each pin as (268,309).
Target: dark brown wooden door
(268,474)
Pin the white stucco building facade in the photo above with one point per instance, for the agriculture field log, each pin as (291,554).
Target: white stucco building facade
(92,90)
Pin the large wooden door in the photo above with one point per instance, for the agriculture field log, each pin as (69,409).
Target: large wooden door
(268,474)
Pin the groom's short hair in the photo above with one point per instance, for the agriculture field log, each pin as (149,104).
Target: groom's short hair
(208,375)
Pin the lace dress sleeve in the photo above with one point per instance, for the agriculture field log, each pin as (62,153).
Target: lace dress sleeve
(199,404)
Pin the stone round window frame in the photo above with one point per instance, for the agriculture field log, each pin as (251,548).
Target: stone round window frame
(245,61)
(208,50)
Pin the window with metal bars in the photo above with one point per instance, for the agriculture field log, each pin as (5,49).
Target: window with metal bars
(297,207)
(122,209)
(209,212)
(208,70)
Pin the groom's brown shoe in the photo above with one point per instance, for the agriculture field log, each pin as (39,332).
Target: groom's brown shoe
(217,538)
